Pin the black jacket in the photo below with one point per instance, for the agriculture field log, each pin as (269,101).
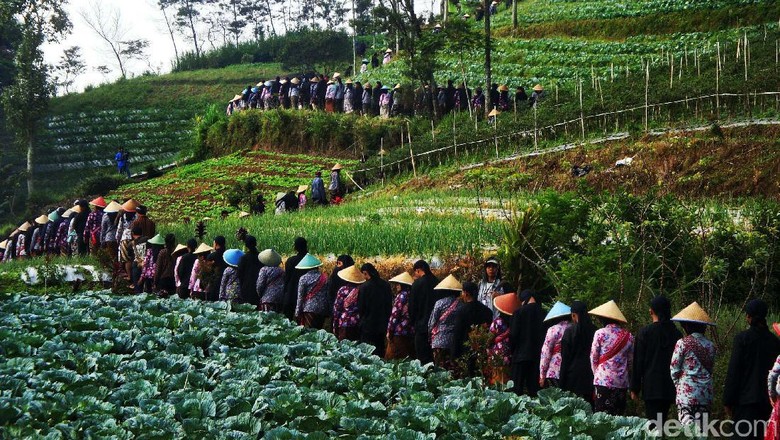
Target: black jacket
(752,356)
(185,268)
(653,351)
(422,297)
(248,269)
(526,334)
(219,269)
(375,302)
(576,375)
(470,314)
(291,278)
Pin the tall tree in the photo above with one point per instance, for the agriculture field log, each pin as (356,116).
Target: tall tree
(26,100)
(107,25)
(488,70)
(164,5)
(187,16)
(71,65)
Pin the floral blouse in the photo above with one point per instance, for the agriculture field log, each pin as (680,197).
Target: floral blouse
(441,325)
(691,368)
(21,246)
(550,363)
(194,283)
(150,266)
(400,324)
(350,318)
(308,303)
(94,222)
(229,287)
(611,372)
(270,285)
(772,383)
(499,348)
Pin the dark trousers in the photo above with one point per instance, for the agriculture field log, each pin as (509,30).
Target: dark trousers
(746,417)
(378,341)
(656,407)
(525,375)
(423,347)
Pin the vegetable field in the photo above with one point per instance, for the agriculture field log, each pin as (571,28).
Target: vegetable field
(99,366)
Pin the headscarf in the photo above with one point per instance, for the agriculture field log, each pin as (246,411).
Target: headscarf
(662,308)
(301,246)
(251,244)
(757,310)
(335,282)
(583,330)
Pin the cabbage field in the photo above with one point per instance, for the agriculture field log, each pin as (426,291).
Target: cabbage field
(101,366)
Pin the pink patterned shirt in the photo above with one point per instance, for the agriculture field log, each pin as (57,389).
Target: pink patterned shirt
(550,363)
(499,348)
(612,372)
(400,324)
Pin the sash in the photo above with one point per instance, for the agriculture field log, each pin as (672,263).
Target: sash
(557,349)
(621,342)
(317,287)
(704,358)
(351,298)
(450,309)
(501,337)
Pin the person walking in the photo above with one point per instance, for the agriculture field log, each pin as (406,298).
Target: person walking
(270,282)
(753,353)
(230,284)
(472,314)
(441,325)
(312,304)
(400,329)
(692,366)
(164,283)
(318,189)
(91,235)
(558,318)
(346,310)
(526,336)
(248,268)
(576,374)
(183,270)
(292,275)
(218,266)
(108,226)
(335,187)
(80,225)
(375,302)
(610,359)
(421,300)
(652,354)
(499,349)
(122,159)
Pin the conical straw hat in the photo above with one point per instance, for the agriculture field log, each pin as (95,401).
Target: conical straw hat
(178,249)
(559,310)
(130,206)
(42,219)
(113,207)
(67,213)
(301,189)
(203,249)
(494,112)
(24,227)
(609,310)
(336,167)
(243,214)
(270,257)
(280,195)
(157,239)
(352,275)
(693,313)
(3,244)
(309,262)
(99,202)
(403,278)
(507,303)
(538,88)
(449,283)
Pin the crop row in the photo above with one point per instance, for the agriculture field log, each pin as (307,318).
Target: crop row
(111,116)
(97,163)
(86,142)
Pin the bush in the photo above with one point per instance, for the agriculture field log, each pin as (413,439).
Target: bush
(99,184)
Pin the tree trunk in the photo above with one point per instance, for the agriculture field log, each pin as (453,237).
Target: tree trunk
(271,18)
(170,31)
(30,157)
(192,29)
(514,14)
(488,79)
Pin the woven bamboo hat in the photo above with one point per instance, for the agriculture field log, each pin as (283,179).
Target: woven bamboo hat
(130,206)
(236,98)
(301,189)
(449,283)
(270,258)
(243,214)
(336,167)
(157,239)
(67,213)
(352,275)
(402,278)
(24,227)
(42,219)
(295,80)
(494,112)
(503,88)
(538,88)
(178,249)
(309,262)
(280,195)
(315,79)
(3,244)
(260,84)
(113,207)
(507,303)
(203,249)
(389,51)
(100,202)
(348,81)
(609,310)
(693,313)
(336,75)
(559,310)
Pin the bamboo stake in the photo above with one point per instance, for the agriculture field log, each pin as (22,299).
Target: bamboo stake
(495,133)
(647,93)
(411,153)
(433,133)
(382,160)
(582,117)
(717,85)
(536,144)
(671,72)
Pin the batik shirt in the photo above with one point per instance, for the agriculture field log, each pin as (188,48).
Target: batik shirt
(317,303)
(550,363)
(773,385)
(441,325)
(345,308)
(691,368)
(150,265)
(94,222)
(36,242)
(270,285)
(229,288)
(611,372)
(400,324)
(61,240)
(21,246)
(499,348)
(107,230)
(51,236)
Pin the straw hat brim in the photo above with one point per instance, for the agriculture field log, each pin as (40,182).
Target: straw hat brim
(507,303)
(203,249)
(309,262)
(336,167)
(538,88)
(352,275)
(693,313)
(112,207)
(302,188)
(494,112)
(559,310)
(449,283)
(402,278)
(178,249)
(42,219)
(100,202)
(270,257)
(243,214)
(609,310)
(24,227)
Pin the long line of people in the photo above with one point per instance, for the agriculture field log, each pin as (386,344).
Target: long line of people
(416,315)
(333,94)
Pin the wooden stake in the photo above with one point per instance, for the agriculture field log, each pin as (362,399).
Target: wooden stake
(671,72)
(411,153)
(647,93)
(717,84)
(582,118)
(382,159)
